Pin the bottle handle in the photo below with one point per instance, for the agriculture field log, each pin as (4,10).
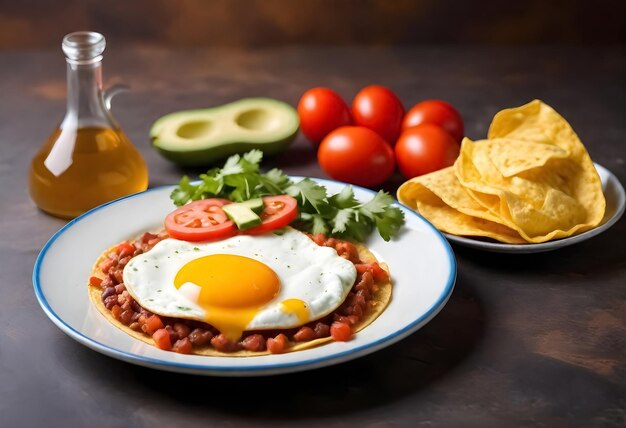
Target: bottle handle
(113,91)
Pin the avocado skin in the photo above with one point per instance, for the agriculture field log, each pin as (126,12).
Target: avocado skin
(233,144)
(217,153)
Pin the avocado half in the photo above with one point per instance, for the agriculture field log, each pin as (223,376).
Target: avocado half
(200,137)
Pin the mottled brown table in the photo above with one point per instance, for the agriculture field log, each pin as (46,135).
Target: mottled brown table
(526,340)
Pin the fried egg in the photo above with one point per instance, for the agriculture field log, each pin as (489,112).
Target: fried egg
(243,282)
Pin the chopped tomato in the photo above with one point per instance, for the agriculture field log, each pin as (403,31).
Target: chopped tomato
(304,334)
(347,250)
(361,268)
(340,331)
(162,339)
(318,238)
(278,211)
(380,274)
(278,344)
(203,220)
(125,249)
(95,281)
(153,323)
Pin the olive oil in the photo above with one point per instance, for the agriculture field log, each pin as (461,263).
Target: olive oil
(104,166)
(88,160)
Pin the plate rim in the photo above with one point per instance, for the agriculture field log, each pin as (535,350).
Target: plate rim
(549,245)
(251,370)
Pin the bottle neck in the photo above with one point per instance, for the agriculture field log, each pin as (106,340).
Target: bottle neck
(85,102)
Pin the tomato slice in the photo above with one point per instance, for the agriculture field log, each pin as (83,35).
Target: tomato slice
(278,211)
(203,220)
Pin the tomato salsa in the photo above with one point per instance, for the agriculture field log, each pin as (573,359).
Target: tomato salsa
(183,336)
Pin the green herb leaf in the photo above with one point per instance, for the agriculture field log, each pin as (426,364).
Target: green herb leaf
(389,222)
(210,183)
(183,192)
(341,214)
(253,158)
(232,166)
(341,220)
(275,181)
(377,205)
(344,199)
(318,225)
(309,192)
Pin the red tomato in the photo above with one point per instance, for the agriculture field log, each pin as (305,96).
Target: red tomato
(278,211)
(340,331)
(425,148)
(278,344)
(153,323)
(95,281)
(380,274)
(380,110)
(125,249)
(162,339)
(438,113)
(203,220)
(321,111)
(356,155)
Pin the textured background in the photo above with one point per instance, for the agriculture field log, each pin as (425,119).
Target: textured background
(253,23)
(525,340)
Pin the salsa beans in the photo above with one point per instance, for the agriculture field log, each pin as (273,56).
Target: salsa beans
(180,335)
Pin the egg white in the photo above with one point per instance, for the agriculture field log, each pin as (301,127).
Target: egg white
(307,271)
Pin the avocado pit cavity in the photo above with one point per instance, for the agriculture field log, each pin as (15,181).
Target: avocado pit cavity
(257,120)
(194,129)
(202,137)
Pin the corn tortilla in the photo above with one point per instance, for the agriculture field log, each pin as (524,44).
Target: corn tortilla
(381,299)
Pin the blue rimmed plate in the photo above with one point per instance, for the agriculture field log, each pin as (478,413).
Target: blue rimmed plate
(421,262)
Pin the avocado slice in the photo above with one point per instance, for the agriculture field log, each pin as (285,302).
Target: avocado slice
(201,137)
(255,205)
(242,215)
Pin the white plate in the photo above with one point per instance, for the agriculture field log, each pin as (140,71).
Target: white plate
(422,266)
(615,203)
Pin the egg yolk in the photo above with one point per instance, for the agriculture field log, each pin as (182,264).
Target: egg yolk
(232,289)
(297,307)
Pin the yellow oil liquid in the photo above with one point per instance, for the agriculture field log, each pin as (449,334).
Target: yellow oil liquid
(104,165)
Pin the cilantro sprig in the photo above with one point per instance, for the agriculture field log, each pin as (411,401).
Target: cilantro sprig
(340,215)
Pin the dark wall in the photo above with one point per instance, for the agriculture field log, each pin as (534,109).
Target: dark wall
(245,23)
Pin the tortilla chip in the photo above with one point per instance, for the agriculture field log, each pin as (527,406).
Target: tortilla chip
(447,205)
(504,153)
(553,192)
(380,301)
(531,181)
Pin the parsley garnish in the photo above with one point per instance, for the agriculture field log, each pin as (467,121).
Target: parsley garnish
(339,215)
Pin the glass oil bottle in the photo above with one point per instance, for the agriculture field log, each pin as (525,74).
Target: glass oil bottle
(88,160)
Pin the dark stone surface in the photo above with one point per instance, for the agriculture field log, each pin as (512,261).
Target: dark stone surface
(526,340)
